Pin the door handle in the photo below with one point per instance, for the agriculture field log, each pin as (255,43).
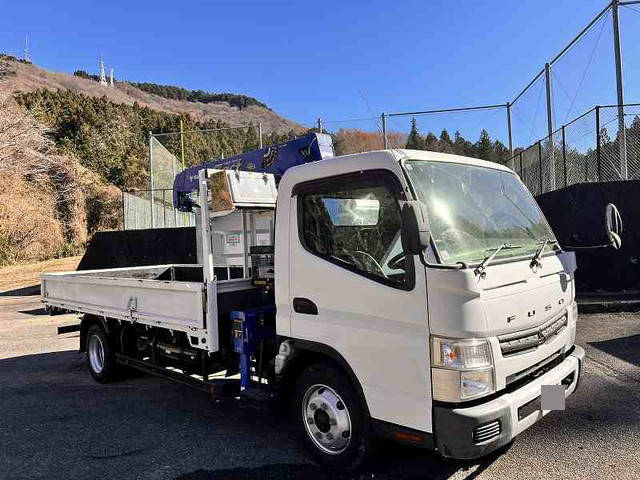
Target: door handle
(304,305)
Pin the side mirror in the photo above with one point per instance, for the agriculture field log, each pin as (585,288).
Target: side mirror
(613,222)
(415,227)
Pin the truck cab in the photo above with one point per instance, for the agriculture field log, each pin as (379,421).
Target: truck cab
(445,349)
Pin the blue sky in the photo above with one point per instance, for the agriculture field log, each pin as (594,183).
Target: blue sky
(344,59)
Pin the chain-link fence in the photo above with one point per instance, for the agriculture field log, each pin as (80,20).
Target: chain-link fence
(136,206)
(153,208)
(601,145)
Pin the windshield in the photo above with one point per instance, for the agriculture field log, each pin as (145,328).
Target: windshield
(473,210)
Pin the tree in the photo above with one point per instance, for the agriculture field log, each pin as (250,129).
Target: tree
(415,140)
(484,147)
(501,152)
(445,143)
(431,142)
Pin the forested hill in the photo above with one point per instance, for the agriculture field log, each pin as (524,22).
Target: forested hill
(230,108)
(179,93)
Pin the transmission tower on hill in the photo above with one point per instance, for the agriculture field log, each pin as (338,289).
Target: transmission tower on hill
(111,76)
(103,77)
(27,54)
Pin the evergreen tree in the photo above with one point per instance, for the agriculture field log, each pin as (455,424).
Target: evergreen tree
(415,140)
(484,146)
(445,143)
(431,142)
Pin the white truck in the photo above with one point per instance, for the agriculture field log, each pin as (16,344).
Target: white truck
(417,296)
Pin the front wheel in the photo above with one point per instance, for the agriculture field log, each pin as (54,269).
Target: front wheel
(330,418)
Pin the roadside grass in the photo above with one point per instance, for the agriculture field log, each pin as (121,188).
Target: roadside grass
(26,275)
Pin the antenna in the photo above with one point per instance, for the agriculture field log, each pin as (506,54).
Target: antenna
(111,76)
(27,54)
(103,77)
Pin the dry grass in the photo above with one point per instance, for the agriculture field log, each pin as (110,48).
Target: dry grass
(48,202)
(20,276)
(351,140)
(31,77)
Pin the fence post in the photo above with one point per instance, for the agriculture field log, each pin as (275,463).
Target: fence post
(552,162)
(124,215)
(175,210)
(622,133)
(521,170)
(598,145)
(384,131)
(164,209)
(510,131)
(564,154)
(540,162)
(151,174)
(182,143)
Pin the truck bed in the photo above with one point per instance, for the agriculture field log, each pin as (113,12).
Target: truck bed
(167,296)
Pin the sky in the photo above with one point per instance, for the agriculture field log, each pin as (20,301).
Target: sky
(343,60)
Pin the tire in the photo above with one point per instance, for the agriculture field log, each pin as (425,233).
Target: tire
(330,418)
(101,355)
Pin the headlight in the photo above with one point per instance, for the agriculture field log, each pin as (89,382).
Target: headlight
(460,354)
(462,369)
(475,383)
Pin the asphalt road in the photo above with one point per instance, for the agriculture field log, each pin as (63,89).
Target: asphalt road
(57,423)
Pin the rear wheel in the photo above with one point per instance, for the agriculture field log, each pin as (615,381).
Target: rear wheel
(100,355)
(330,419)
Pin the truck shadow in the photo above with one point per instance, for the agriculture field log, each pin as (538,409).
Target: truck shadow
(22,292)
(625,348)
(396,462)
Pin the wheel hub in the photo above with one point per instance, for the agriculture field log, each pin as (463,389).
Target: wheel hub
(326,419)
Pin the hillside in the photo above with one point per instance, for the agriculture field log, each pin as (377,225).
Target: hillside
(23,77)
(68,146)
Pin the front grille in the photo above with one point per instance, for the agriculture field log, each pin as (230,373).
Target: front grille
(518,342)
(534,371)
(486,432)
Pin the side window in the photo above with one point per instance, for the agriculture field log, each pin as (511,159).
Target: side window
(356,224)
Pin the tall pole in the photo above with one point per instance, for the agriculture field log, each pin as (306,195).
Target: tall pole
(182,142)
(320,128)
(622,137)
(552,163)
(384,131)
(151,174)
(259,134)
(509,130)
(175,210)
(598,143)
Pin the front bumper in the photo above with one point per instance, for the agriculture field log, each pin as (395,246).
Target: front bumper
(471,432)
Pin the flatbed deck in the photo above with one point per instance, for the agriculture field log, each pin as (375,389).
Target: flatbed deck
(173,297)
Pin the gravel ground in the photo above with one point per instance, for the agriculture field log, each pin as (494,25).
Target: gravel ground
(58,423)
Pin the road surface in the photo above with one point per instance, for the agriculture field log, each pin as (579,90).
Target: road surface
(58,423)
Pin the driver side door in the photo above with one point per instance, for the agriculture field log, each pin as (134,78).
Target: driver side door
(351,291)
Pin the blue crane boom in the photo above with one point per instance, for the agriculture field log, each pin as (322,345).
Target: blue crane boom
(275,159)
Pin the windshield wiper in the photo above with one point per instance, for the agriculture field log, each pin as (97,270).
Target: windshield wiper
(535,260)
(480,269)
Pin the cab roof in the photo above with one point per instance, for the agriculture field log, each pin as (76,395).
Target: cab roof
(406,154)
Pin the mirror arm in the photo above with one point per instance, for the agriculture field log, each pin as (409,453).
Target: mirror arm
(455,266)
(571,248)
